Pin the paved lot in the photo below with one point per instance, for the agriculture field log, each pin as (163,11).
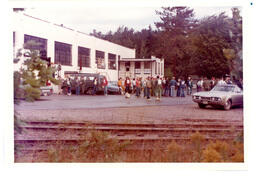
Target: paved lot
(117,109)
(98,101)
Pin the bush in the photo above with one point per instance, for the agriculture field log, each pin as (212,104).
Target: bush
(174,151)
(32,93)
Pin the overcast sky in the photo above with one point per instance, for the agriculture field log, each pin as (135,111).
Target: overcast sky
(109,15)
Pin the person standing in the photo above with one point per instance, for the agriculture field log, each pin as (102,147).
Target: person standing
(154,85)
(69,86)
(199,85)
(77,85)
(82,85)
(172,85)
(189,86)
(95,84)
(64,87)
(182,88)
(144,87)
(163,85)
(138,86)
(158,88)
(127,85)
(213,83)
(133,85)
(178,87)
(167,87)
(119,84)
(148,87)
(206,84)
(105,85)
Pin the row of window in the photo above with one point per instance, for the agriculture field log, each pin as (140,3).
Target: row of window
(63,53)
(146,65)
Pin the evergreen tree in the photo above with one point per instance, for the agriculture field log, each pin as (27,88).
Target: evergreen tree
(34,73)
(173,42)
(210,37)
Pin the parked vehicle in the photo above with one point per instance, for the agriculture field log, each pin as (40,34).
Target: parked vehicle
(88,82)
(113,88)
(225,96)
(46,90)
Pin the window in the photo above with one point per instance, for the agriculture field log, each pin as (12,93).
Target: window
(119,62)
(83,57)
(158,68)
(100,59)
(155,68)
(111,61)
(127,64)
(63,53)
(146,65)
(137,65)
(35,43)
(147,69)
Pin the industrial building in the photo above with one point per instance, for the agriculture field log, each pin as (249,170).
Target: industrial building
(79,52)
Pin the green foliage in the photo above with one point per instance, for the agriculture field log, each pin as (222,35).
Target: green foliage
(173,42)
(211,46)
(168,73)
(18,91)
(211,36)
(34,74)
(32,93)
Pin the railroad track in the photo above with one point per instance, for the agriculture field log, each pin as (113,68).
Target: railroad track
(38,136)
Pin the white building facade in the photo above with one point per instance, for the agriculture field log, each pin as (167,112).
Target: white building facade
(141,67)
(73,50)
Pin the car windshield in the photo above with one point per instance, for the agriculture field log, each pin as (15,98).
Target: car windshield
(224,88)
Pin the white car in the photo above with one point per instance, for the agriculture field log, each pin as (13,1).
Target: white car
(46,90)
(224,96)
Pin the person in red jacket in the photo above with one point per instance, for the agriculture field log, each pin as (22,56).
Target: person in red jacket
(105,85)
(127,85)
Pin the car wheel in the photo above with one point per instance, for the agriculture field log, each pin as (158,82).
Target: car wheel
(201,105)
(228,105)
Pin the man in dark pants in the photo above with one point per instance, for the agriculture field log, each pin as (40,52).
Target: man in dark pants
(148,87)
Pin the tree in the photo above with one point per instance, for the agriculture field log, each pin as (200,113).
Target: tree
(234,53)
(209,38)
(142,40)
(173,42)
(34,74)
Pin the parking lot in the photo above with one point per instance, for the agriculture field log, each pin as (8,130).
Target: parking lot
(116,108)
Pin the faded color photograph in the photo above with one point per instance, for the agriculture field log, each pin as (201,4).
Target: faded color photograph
(111,83)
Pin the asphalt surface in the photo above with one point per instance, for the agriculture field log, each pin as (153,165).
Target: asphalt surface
(98,101)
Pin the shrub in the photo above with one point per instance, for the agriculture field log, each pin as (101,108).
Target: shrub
(174,151)
(197,139)
(211,155)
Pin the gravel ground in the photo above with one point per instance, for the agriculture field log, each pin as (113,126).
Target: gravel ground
(117,109)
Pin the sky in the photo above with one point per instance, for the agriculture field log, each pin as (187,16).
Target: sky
(109,15)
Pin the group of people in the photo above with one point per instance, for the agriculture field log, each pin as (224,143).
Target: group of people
(151,86)
(79,85)
(204,84)
(156,87)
